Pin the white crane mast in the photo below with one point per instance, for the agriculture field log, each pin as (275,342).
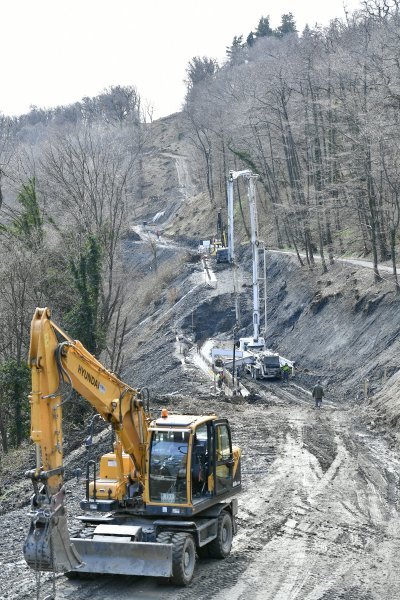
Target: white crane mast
(258,249)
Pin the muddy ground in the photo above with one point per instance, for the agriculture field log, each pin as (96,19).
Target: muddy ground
(319,511)
(318,519)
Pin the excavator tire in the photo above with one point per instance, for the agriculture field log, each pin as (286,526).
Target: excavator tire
(83,576)
(164,537)
(183,558)
(221,546)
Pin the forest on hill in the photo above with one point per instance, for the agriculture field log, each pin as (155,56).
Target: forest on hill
(317,117)
(315,114)
(69,179)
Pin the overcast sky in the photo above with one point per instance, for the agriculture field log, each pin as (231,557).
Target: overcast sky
(58,51)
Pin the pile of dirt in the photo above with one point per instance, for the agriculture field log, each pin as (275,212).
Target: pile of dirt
(386,403)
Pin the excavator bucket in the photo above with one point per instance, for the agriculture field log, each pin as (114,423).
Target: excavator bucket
(117,556)
(48,546)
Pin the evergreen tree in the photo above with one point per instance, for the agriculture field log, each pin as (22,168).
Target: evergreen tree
(199,69)
(250,40)
(27,223)
(288,25)
(235,52)
(14,406)
(84,320)
(264,28)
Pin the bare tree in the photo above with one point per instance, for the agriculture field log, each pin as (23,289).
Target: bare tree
(89,174)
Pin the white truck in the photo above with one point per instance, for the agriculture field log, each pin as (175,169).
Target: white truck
(259,362)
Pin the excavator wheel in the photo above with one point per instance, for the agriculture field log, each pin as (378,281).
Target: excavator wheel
(164,537)
(77,575)
(221,546)
(183,558)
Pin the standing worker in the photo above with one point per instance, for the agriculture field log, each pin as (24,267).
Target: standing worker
(220,379)
(318,394)
(285,372)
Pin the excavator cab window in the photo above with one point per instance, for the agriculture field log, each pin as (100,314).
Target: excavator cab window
(168,460)
(202,450)
(223,457)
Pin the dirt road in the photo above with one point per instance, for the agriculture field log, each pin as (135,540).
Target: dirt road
(357,262)
(319,514)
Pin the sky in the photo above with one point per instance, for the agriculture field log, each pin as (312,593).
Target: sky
(57,51)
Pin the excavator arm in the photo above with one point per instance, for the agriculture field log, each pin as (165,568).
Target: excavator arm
(54,359)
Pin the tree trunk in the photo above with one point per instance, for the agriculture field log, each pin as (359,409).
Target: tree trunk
(3,433)
(292,241)
(393,252)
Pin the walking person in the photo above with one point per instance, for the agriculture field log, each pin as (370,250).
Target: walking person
(318,394)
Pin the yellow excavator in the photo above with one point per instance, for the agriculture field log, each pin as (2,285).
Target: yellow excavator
(162,498)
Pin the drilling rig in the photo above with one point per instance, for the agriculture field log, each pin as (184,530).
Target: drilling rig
(258,361)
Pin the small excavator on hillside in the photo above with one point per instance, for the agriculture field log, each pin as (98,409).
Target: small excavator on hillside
(164,495)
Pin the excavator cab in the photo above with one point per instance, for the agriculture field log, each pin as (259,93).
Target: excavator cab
(191,462)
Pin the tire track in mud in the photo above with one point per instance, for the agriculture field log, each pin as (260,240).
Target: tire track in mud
(300,583)
(317,541)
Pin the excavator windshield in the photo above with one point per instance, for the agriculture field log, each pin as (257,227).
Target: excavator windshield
(168,460)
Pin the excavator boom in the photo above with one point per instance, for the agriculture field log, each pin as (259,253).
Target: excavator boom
(55,358)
